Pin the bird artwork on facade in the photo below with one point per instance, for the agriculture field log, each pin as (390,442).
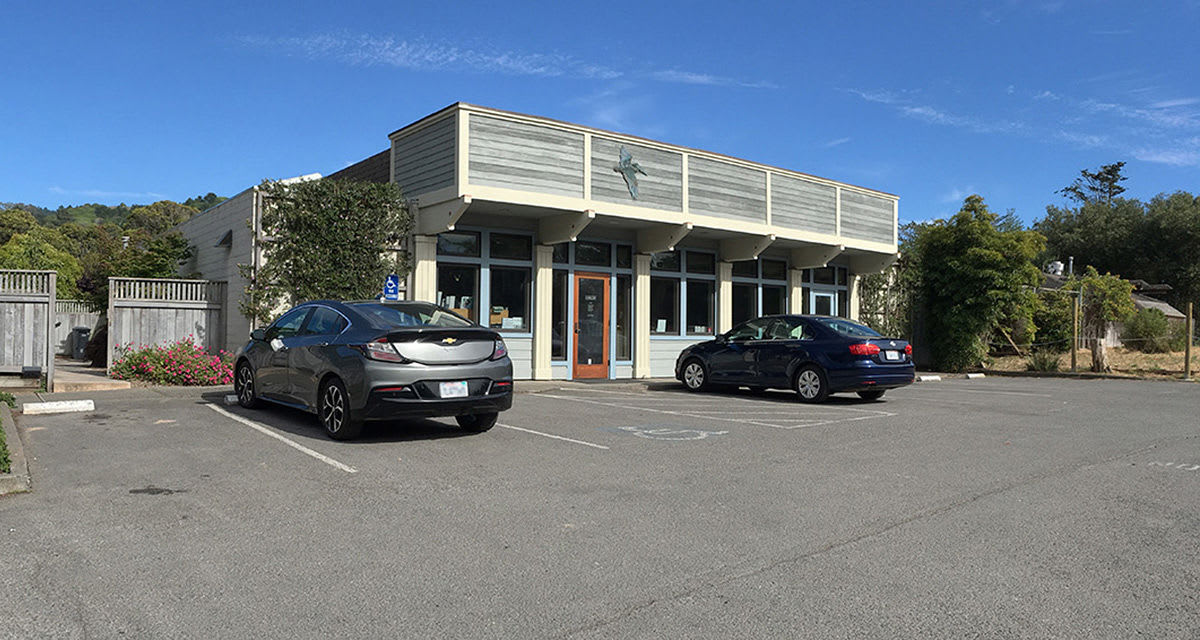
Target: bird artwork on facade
(629,168)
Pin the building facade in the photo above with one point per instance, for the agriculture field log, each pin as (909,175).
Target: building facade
(602,255)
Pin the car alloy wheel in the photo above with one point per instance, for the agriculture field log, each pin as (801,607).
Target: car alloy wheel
(810,385)
(693,375)
(334,411)
(243,386)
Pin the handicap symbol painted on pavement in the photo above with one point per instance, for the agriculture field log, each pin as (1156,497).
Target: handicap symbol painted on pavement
(671,433)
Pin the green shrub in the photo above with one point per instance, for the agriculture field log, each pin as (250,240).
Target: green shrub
(1053,315)
(1148,331)
(5,463)
(8,399)
(181,363)
(1043,360)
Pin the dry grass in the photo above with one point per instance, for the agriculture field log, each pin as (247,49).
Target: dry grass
(1123,361)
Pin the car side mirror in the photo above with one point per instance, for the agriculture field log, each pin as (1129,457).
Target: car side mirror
(258,334)
(723,338)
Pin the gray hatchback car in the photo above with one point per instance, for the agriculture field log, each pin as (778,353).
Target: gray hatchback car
(353,361)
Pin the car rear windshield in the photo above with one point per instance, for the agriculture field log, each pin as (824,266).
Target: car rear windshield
(848,329)
(410,315)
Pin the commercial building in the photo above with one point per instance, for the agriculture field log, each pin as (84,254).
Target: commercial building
(602,255)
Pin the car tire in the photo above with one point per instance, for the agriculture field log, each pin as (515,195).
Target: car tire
(477,422)
(811,384)
(333,410)
(243,386)
(695,375)
(873,394)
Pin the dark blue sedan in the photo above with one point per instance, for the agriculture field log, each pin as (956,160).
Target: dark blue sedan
(812,355)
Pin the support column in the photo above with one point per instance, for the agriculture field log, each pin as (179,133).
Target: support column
(425,268)
(725,296)
(855,298)
(795,291)
(543,314)
(641,315)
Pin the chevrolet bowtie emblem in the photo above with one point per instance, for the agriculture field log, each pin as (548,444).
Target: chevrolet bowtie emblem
(449,340)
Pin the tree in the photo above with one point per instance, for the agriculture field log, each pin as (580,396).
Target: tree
(200,203)
(35,250)
(158,218)
(14,221)
(1096,186)
(325,239)
(971,278)
(1104,299)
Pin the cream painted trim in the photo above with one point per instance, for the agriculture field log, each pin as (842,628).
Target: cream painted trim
(569,203)
(564,227)
(724,296)
(440,218)
(855,301)
(795,291)
(896,222)
(744,248)
(641,315)
(661,238)
(663,146)
(431,198)
(543,277)
(462,148)
(424,268)
(872,264)
(815,257)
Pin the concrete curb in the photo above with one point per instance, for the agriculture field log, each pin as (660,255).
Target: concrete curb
(1081,375)
(17,479)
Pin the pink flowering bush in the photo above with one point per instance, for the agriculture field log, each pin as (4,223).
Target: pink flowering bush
(180,363)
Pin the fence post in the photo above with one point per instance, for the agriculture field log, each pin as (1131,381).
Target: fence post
(52,278)
(1187,349)
(108,322)
(1074,331)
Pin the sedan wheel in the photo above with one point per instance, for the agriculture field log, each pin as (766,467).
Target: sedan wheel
(477,422)
(334,411)
(243,386)
(873,394)
(810,385)
(694,376)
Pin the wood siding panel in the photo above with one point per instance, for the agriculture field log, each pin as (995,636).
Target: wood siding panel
(726,190)
(24,310)
(156,312)
(520,351)
(517,155)
(663,353)
(660,188)
(804,205)
(867,217)
(424,159)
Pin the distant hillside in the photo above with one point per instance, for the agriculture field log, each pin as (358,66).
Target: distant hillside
(95,213)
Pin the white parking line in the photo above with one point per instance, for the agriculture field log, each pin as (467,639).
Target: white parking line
(295,445)
(792,423)
(550,435)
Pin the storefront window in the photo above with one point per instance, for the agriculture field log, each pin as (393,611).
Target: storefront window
(843,303)
(841,276)
(774,270)
(624,256)
(596,254)
(774,300)
(558,317)
(458,243)
(806,299)
(665,261)
(701,262)
(745,302)
(745,269)
(458,289)
(624,317)
(508,246)
(823,275)
(509,305)
(664,305)
(700,307)
(562,253)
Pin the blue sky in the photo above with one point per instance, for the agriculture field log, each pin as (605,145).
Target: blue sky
(134,102)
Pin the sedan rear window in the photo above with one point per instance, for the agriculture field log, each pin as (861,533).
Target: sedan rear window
(848,329)
(410,315)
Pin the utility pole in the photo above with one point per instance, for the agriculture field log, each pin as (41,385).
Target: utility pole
(1074,332)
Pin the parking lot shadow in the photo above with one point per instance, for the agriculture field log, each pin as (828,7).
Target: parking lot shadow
(305,425)
(768,395)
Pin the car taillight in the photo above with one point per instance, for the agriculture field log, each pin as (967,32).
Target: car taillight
(864,349)
(908,349)
(499,350)
(383,351)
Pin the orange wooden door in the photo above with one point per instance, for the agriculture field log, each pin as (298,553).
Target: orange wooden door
(591,325)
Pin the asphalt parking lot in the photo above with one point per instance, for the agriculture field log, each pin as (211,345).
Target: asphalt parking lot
(963,508)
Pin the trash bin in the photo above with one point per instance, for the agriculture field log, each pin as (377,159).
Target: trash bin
(79,340)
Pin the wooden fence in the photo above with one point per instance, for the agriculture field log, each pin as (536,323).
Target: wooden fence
(27,302)
(69,314)
(149,311)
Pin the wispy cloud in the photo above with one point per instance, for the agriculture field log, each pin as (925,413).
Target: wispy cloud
(835,143)
(1179,102)
(1173,157)
(1112,32)
(957,195)
(906,106)
(97,193)
(423,55)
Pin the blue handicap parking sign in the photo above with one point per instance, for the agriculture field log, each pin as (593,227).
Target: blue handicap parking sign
(391,288)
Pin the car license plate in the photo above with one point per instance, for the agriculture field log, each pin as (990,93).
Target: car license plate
(454,389)
(891,355)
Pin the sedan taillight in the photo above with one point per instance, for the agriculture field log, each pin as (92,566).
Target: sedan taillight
(908,349)
(864,349)
(499,350)
(383,351)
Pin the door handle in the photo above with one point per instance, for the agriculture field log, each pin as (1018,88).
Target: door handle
(576,327)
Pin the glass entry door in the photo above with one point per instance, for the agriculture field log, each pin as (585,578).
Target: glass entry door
(591,326)
(823,303)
